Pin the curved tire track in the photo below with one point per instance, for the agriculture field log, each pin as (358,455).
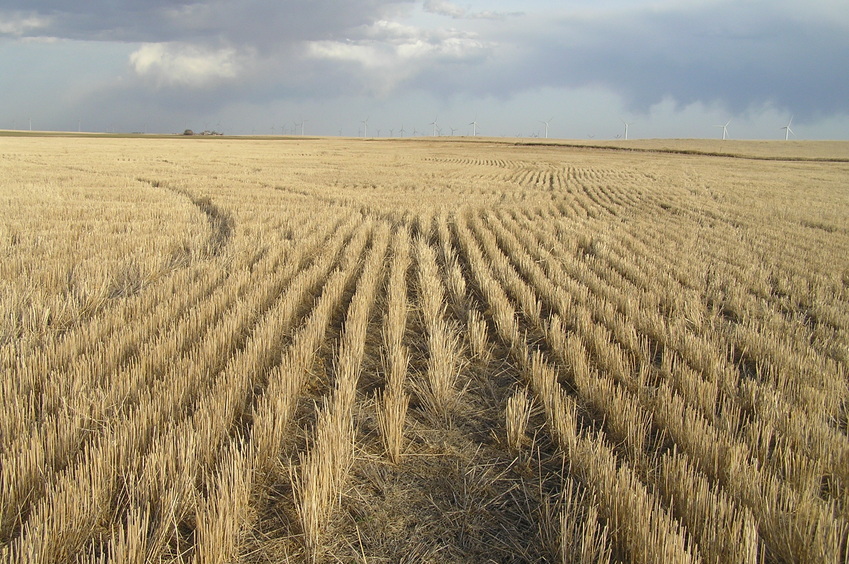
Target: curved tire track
(221,221)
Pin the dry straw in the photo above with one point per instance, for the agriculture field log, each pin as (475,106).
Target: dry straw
(185,326)
(517,414)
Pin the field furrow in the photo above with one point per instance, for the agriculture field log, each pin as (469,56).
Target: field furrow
(462,350)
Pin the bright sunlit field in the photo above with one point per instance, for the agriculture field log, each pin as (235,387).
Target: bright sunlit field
(455,350)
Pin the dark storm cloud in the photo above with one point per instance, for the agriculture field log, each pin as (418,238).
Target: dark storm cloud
(725,53)
(727,56)
(254,21)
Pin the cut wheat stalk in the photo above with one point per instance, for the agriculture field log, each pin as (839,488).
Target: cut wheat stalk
(517,414)
(324,466)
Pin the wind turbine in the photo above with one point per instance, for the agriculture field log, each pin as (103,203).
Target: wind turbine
(303,121)
(433,123)
(402,132)
(391,133)
(546,126)
(787,130)
(626,128)
(724,129)
(365,127)
(474,125)
(453,129)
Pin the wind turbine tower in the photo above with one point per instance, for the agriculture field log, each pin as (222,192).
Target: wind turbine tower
(626,128)
(724,130)
(433,123)
(365,127)
(787,130)
(546,126)
(474,125)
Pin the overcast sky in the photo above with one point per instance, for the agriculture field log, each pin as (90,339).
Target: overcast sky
(671,68)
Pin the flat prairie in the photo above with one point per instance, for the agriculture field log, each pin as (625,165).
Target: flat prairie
(423,350)
(836,151)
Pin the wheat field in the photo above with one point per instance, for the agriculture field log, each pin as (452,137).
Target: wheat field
(343,350)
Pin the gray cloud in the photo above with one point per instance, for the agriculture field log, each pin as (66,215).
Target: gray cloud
(451,10)
(718,53)
(204,55)
(251,21)
(444,8)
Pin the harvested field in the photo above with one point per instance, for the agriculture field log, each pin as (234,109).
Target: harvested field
(240,350)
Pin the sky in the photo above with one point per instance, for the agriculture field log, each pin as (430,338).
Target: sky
(669,68)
